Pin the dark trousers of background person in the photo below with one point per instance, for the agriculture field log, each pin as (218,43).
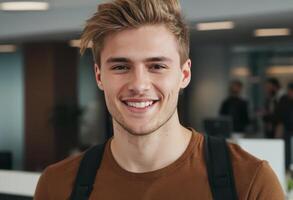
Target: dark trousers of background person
(287,140)
(270,125)
(270,134)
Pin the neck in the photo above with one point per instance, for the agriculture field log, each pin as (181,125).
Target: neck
(150,152)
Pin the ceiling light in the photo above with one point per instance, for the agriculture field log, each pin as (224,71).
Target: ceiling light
(24,6)
(280,70)
(7,48)
(76,43)
(240,71)
(266,32)
(215,26)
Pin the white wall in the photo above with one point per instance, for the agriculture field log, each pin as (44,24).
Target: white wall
(210,9)
(210,74)
(12,106)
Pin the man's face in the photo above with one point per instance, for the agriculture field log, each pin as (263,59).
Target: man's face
(270,89)
(141,77)
(235,89)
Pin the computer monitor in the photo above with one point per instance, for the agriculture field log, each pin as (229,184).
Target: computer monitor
(14,197)
(5,160)
(218,126)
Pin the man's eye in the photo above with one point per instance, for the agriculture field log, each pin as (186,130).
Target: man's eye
(120,67)
(157,67)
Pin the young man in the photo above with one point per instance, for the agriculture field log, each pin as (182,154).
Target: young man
(273,96)
(141,52)
(236,107)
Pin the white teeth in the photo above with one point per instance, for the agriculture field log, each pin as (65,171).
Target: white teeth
(140,104)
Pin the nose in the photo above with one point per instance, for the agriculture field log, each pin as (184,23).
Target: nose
(139,82)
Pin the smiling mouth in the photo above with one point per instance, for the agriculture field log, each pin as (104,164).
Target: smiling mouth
(140,104)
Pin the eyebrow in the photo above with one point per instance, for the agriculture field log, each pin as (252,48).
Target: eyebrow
(117,59)
(127,60)
(157,59)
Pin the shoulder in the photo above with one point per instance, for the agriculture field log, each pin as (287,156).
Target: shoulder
(65,169)
(283,99)
(254,178)
(245,165)
(56,181)
(239,155)
(66,166)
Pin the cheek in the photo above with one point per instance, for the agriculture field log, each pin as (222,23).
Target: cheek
(107,99)
(173,81)
(108,90)
(112,89)
(169,86)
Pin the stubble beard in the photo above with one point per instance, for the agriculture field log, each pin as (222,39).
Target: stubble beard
(141,134)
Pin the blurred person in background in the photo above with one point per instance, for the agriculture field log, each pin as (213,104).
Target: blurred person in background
(285,121)
(236,107)
(273,96)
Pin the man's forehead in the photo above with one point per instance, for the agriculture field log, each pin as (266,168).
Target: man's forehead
(147,42)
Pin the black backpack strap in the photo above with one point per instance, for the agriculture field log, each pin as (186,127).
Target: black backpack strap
(219,168)
(87,171)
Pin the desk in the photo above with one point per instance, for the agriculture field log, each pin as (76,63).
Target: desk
(18,183)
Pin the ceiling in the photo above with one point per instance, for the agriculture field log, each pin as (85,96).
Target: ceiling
(66,18)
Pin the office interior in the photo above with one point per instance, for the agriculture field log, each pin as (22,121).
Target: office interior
(50,106)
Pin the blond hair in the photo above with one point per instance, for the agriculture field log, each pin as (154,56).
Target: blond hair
(120,15)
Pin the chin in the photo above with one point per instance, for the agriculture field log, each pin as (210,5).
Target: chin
(141,130)
(137,128)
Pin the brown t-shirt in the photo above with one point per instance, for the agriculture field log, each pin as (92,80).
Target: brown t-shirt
(184,179)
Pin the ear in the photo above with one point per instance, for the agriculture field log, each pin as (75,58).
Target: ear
(186,74)
(98,77)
